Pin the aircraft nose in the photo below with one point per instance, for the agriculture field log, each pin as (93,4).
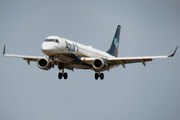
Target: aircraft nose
(46,48)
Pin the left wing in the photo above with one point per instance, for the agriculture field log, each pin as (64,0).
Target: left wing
(34,58)
(28,58)
(127,60)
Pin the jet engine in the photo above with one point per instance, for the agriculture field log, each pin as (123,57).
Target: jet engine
(44,63)
(99,64)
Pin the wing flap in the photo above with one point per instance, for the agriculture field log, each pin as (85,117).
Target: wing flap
(25,57)
(123,61)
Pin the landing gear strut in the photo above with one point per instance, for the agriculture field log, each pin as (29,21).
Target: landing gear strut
(97,75)
(52,60)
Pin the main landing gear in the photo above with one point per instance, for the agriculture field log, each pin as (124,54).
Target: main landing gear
(62,74)
(97,75)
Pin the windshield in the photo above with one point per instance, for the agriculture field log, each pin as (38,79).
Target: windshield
(51,40)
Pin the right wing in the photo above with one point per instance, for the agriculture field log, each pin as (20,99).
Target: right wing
(127,60)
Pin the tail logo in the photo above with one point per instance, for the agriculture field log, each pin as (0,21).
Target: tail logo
(116,44)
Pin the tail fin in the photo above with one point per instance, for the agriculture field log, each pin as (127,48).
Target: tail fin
(115,43)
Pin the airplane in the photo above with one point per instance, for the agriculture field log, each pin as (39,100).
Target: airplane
(67,54)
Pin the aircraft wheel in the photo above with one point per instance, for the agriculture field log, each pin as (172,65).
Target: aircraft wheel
(96,76)
(65,75)
(60,75)
(102,76)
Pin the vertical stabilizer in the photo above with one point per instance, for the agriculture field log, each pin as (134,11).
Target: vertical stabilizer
(115,43)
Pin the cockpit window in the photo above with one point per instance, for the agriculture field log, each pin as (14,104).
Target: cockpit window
(57,41)
(51,40)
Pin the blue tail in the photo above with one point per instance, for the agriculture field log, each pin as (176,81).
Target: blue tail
(115,43)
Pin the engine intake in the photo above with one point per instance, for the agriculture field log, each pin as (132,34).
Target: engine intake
(44,63)
(100,64)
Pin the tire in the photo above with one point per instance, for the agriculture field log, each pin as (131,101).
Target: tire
(60,75)
(96,76)
(102,76)
(65,75)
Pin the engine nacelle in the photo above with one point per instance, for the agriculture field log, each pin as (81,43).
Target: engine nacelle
(44,63)
(100,64)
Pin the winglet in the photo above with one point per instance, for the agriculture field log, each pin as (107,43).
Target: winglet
(4,51)
(173,52)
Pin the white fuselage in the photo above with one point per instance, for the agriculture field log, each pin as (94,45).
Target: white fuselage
(71,52)
(65,46)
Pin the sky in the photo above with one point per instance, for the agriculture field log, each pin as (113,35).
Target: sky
(148,28)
